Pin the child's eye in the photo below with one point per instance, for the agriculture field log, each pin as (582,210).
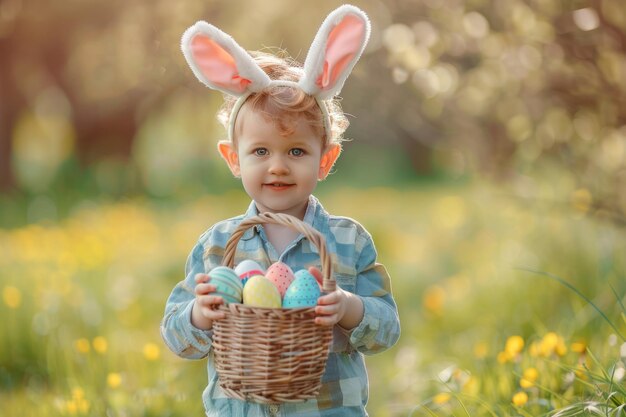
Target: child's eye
(260,152)
(297,152)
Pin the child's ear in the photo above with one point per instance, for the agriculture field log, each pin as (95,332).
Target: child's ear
(328,160)
(229,153)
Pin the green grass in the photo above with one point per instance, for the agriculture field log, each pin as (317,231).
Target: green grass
(82,298)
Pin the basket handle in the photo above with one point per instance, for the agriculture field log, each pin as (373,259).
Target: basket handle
(315,237)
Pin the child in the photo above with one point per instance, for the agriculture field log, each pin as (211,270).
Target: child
(284,132)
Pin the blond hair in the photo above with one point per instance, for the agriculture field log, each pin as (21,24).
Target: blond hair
(284,105)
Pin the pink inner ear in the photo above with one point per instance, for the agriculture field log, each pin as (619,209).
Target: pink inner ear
(344,41)
(217,65)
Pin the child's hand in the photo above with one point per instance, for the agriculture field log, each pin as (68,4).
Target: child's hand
(204,309)
(331,308)
(338,307)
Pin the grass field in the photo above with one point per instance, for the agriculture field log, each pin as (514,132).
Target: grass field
(490,326)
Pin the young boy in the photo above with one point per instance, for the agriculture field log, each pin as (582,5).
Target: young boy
(284,136)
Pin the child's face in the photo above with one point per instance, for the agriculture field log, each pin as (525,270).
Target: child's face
(278,172)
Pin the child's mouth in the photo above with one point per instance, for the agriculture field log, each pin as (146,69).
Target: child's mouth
(278,185)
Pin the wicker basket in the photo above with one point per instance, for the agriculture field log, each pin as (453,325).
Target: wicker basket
(272,355)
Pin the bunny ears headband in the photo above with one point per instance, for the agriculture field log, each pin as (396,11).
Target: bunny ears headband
(221,64)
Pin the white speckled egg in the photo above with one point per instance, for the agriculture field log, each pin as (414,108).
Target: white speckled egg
(261,292)
(281,275)
(303,291)
(247,269)
(227,283)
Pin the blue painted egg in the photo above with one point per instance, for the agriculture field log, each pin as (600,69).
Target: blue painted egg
(303,291)
(227,283)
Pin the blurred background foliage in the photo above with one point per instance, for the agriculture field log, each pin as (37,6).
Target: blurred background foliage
(512,90)
(487,135)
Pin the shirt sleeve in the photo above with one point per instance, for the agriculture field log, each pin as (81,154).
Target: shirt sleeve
(380,327)
(182,337)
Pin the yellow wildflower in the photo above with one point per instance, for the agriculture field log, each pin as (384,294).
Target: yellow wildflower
(581,372)
(552,343)
(579,347)
(83,405)
(514,346)
(78,393)
(531,374)
(561,348)
(114,380)
(529,377)
(526,383)
(548,344)
(442,398)
(151,351)
(434,298)
(71,407)
(82,345)
(503,357)
(534,349)
(520,398)
(77,404)
(100,345)
(12,296)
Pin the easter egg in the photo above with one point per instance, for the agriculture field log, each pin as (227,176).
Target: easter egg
(303,291)
(247,269)
(281,275)
(261,292)
(227,284)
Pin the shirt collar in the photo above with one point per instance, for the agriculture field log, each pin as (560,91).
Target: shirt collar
(313,216)
(310,214)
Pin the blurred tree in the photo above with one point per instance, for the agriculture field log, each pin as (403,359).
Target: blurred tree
(104,68)
(106,61)
(517,86)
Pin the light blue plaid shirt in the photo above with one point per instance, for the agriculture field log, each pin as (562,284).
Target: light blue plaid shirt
(344,389)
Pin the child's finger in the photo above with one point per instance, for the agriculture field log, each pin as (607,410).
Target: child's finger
(210,300)
(327,310)
(330,298)
(326,320)
(201,278)
(202,289)
(215,315)
(210,311)
(317,274)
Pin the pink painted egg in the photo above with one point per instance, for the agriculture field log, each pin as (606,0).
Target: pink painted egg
(281,275)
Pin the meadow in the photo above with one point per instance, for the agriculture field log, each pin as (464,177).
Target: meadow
(509,306)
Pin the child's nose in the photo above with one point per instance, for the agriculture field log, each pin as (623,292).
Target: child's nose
(278,166)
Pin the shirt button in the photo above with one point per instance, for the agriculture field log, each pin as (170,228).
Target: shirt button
(273,409)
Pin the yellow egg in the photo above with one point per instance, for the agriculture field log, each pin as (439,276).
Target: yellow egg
(261,292)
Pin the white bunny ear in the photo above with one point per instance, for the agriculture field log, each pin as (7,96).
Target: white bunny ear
(220,63)
(338,45)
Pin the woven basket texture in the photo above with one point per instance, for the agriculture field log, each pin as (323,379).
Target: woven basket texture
(272,355)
